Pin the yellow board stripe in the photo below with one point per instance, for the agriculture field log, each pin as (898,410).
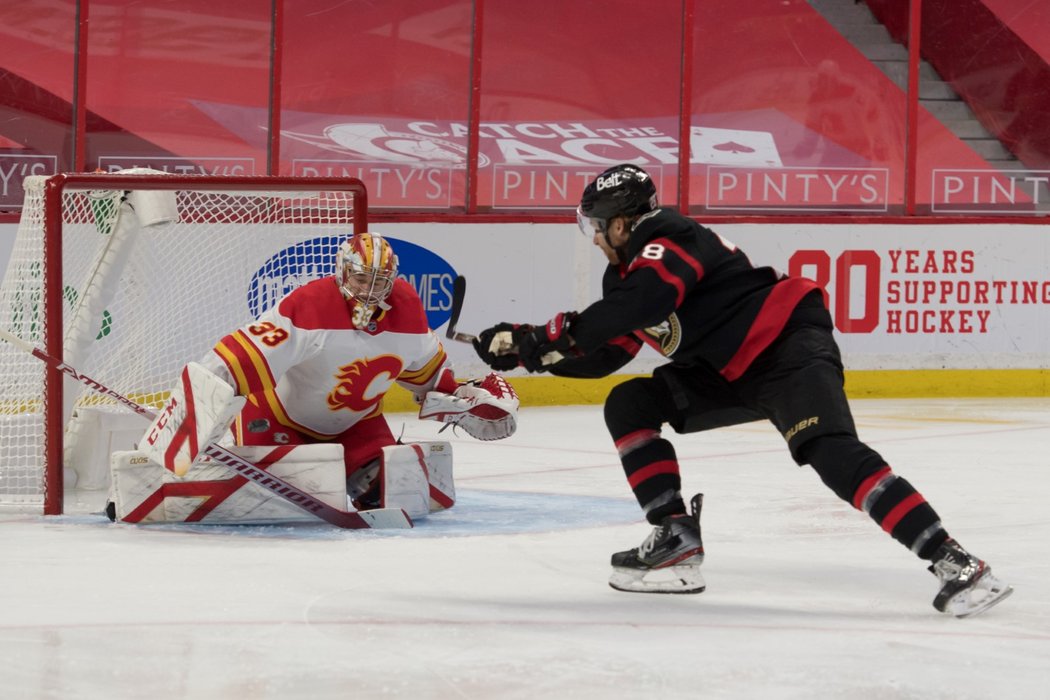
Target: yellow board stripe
(868,384)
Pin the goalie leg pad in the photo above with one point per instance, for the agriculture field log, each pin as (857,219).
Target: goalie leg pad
(145,492)
(199,410)
(417,477)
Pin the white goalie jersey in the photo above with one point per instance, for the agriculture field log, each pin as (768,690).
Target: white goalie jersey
(308,367)
(306,363)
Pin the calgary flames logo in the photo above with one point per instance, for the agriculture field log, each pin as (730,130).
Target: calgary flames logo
(361,385)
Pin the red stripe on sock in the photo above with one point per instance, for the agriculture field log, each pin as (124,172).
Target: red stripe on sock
(632,440)
(867,485)
(667,466)
(900,510)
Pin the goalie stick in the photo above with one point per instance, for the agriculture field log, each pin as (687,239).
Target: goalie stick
(381,517)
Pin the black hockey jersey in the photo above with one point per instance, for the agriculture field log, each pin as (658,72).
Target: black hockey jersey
(693,296)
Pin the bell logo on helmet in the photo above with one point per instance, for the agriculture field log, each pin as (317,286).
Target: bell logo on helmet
(620,177)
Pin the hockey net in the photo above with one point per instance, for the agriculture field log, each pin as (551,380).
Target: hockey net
(126,277)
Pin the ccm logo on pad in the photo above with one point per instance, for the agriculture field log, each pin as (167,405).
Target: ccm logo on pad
(165,416)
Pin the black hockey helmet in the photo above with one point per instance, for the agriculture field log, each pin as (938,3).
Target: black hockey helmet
(622,190)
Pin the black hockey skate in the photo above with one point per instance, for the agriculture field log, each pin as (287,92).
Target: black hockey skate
(669,559)
(967,584)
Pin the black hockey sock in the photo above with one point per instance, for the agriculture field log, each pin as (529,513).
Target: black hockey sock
(901,511)
(652,471)
(859,475)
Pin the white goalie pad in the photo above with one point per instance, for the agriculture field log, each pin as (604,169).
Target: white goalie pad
(200,409)
(145,492)
(417,477)
(92,435)
(485,409)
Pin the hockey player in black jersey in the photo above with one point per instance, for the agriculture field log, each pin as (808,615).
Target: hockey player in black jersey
(744,343)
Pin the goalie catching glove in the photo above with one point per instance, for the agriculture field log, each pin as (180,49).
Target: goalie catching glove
(487,409)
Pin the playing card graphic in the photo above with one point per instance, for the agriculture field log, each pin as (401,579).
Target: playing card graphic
(712,146)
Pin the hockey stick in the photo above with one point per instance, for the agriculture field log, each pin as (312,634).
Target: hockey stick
(383,517)
(459,291)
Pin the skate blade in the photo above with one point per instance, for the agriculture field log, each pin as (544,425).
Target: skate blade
(672,579)
(985,593)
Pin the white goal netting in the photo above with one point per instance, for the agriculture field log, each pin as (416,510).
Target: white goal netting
(151,279)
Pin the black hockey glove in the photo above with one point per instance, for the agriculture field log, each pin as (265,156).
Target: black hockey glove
(548,344)
(498,346)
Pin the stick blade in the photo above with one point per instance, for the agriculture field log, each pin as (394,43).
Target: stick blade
(386,518)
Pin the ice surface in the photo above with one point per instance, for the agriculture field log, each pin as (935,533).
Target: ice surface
(505,595)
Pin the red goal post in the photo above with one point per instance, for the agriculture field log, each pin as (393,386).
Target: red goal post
(126,277)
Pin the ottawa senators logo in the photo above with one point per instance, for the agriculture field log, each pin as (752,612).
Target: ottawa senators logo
(668,334)
(361,385)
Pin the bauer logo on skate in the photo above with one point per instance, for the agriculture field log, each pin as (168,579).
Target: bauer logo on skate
(428,273)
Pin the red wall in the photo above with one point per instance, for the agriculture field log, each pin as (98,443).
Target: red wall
(542,95)
(996,55)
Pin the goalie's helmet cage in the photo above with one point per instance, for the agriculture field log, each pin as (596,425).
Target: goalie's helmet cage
(622,190)
(366,268)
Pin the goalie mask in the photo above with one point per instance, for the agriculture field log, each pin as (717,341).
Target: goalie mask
(365,268)
(622,190)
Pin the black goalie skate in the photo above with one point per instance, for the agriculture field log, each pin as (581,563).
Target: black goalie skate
(668,561)
(967,584)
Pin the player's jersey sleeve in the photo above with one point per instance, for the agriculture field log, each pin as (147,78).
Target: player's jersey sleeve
(661,273)
(694,296)
(426,361)
(605,359)
(600,362)
(424,371)
(254,357)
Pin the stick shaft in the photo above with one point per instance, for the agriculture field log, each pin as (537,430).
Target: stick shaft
(459,292)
